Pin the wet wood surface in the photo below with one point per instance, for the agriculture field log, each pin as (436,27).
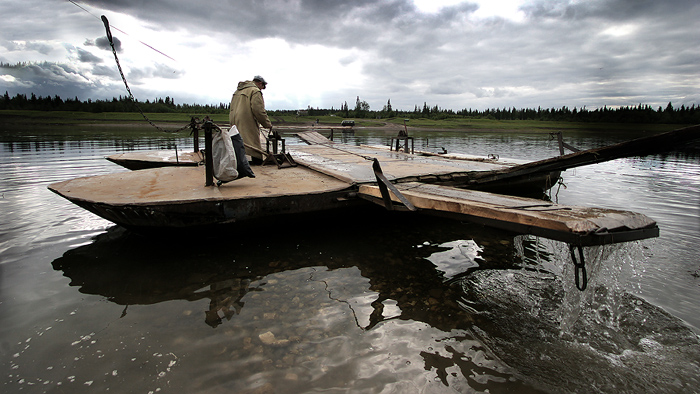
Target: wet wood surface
(519,210)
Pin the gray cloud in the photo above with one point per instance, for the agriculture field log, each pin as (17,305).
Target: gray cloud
(87,57)
(103,43)
(110,71)
(49,79)
(159,71)
(42,48)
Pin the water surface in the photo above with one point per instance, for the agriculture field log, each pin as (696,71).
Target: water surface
(354,302)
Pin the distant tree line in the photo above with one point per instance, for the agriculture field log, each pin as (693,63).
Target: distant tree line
(361,110)
(121,104)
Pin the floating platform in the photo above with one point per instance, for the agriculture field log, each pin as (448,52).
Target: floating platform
(332,176)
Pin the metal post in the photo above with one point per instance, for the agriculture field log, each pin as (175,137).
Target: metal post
(208,161)
(195,133)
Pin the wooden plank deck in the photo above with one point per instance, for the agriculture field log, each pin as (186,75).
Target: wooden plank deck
(177,196)
(458,156)
(353,164)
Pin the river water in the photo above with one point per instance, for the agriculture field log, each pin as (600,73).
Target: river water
(357,302)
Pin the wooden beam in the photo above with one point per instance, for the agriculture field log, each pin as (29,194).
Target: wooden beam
(639,147)
(571,224)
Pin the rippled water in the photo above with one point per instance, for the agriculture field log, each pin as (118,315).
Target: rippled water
(355,302)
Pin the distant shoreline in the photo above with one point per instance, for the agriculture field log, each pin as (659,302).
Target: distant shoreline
(133,120)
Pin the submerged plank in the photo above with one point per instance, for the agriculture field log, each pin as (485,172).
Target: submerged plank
(313,138)
(577,225)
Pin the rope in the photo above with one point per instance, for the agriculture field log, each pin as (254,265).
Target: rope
(121,31)
(121,72)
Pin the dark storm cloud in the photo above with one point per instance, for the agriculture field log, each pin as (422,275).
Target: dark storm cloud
(608,9)
(49,79)
(110,71)
(53,73)
(103,43)
(303,21)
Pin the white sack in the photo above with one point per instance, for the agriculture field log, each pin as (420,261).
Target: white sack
(224,156)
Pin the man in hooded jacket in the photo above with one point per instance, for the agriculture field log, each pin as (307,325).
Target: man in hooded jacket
(248,114)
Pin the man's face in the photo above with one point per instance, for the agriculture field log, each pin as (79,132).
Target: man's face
(260,85)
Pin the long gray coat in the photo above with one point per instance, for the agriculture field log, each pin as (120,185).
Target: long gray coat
(248,114)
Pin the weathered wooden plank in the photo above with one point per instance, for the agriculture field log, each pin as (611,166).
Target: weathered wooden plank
(567,223)
(351,164)
(138,160)
(313,138)
(354,164)
(457,156)
(638,147)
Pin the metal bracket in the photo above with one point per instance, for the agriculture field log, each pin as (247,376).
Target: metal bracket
(385,185)
(405,147)
(281,159)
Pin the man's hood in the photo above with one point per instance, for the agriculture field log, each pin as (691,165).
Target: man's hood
(246,84)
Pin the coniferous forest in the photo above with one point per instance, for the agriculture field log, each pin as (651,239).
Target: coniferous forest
(626,114)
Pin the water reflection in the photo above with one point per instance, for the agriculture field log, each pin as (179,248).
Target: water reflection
(323,305)
(129,269)
(353,304)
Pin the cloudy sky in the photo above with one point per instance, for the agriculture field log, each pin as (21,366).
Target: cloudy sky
(454,54)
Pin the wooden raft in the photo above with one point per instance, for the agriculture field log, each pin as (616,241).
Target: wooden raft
(332,176)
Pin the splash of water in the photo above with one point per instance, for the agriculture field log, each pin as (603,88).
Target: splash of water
(612,271)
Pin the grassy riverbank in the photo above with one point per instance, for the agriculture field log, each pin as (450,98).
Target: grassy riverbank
(16,118)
